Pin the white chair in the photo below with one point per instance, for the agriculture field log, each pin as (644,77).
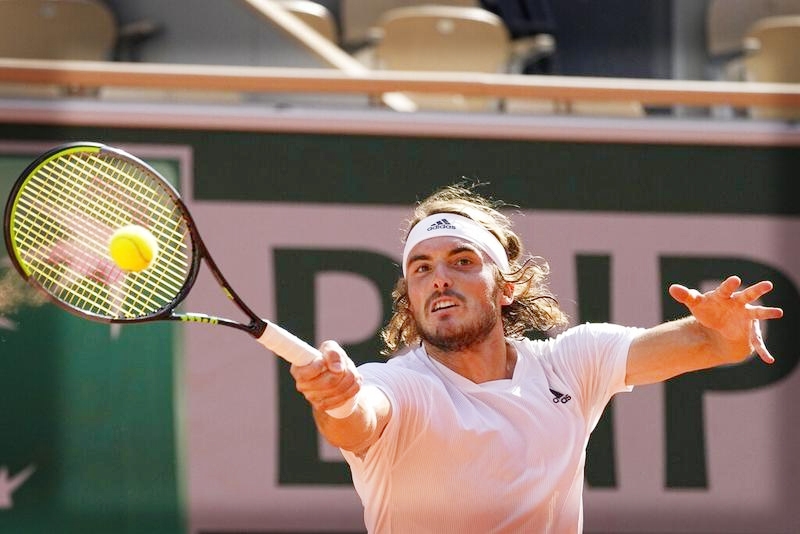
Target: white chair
(57,29)
(772,54)
(358,17)
(727,22)
(443,38)
(54,29)
(315,15)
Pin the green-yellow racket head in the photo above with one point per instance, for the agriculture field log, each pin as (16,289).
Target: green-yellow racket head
(60,217)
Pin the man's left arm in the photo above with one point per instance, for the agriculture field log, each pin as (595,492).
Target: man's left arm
(723,329)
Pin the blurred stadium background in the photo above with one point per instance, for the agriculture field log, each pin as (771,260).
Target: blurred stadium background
(644,143)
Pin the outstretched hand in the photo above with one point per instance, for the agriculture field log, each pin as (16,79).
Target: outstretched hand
(731,312)
(328,382)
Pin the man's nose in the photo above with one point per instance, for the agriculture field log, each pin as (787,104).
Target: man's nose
(441,278)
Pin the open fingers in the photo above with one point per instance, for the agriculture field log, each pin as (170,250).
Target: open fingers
(754,292)
(763,312)
(683,294)
(757,342)
(729,285)
(727,289)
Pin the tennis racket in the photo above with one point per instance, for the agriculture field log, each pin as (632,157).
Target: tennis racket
(60,216)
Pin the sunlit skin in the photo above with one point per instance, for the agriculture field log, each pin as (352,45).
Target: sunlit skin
(456,304)
(736,323)
(453,308)
(724,329)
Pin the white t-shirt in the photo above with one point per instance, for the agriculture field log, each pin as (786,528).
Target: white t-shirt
(501,456)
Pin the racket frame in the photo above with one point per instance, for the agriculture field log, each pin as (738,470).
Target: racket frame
(255,327)
(273,337)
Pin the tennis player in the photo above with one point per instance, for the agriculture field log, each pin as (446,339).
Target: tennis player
(472,428)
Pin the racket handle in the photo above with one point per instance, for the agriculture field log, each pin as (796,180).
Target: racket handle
(296,351)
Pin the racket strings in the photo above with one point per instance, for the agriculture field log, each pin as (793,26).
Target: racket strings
(117,205)
(79,256)
(166,220)
(146,205)
(66,213)
(41,201)
(98,235)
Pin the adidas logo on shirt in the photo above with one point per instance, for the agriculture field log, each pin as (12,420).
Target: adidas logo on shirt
(560,397)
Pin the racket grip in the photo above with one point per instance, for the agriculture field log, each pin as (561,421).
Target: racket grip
(296,351)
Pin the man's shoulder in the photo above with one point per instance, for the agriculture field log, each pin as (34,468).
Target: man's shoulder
(407,371)
(569,336)
(582,329)
(410,360)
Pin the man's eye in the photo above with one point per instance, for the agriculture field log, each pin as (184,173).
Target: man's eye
(423,268)
(463,261)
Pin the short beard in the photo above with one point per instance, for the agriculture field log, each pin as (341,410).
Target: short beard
(465,337)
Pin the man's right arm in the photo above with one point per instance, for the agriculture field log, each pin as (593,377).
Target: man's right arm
(330,383)
(357,432)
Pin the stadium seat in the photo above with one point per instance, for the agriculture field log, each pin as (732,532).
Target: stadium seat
(358,17)
(57,29)
(314,15)
(443,38)
(54,29)
(726,23)
(772,54)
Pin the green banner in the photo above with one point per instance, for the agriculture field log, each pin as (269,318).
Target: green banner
(307,226)
(87,415)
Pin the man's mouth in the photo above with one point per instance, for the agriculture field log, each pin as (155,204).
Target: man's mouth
(443,305)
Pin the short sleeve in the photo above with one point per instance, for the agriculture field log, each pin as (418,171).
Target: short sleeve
(410,398)
(591,359)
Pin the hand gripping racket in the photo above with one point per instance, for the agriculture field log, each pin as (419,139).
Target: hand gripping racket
(60,216)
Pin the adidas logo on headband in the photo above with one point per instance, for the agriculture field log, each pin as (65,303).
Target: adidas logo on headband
(441,224)
(454,225)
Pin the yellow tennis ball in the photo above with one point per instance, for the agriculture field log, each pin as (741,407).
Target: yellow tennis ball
(133,248)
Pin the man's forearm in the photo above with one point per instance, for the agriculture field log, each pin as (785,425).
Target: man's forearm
(677,347)
(357,432)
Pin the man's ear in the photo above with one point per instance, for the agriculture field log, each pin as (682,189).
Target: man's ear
(508,294)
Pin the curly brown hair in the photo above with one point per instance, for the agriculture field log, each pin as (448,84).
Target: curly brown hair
(534,306)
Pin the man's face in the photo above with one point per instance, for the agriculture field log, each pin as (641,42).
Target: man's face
(452,292)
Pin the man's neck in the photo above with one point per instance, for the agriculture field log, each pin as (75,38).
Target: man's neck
(491,359)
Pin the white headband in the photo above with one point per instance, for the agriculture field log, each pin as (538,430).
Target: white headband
(452,225)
